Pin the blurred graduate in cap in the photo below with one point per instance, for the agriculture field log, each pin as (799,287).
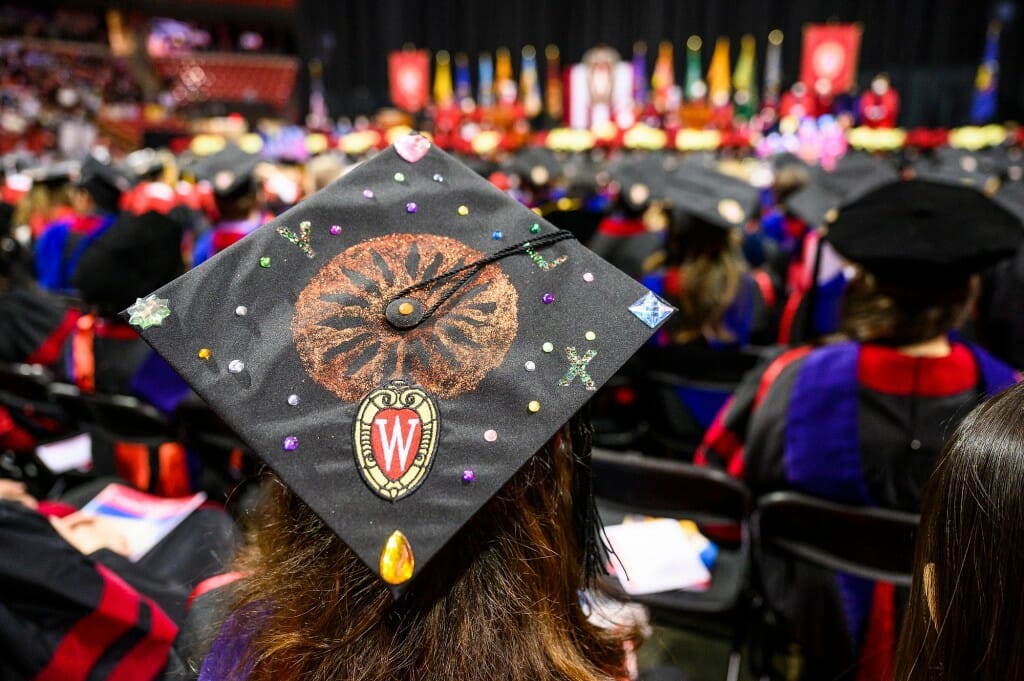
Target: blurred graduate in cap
(722,301)
(862,421)
(231,173)
(408,351)
(135,255)
(95,205)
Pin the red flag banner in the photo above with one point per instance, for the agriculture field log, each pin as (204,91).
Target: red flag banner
(409,76)
(830,52)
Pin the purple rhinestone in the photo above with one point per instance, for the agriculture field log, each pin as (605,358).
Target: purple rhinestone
(367,193)
(291,443)
(547,298)
(468,476)
(335,230)
(411,207)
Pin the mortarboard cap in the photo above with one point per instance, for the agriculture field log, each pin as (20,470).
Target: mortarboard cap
(54,174)
(537,165)
(398,345)
(230,172)
(855,174)
(925,230)
(102,182)
(712,197)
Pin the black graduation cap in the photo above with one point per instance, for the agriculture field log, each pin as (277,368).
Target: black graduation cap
(643,178)
(855,174)
(230,171)
(712,197)
(103,183)
(129,259)
(398,345)
(925,230)
(537,165)
(54,174)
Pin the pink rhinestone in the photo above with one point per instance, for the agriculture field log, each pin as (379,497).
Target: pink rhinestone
(335,230)
(490,435)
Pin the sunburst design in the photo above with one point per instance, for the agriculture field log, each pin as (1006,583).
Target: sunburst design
(347,346)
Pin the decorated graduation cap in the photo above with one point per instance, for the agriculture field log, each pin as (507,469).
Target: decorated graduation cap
(925,230)
(398,345)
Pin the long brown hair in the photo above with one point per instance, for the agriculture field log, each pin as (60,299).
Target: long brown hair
(972,523)
(501,602)
(711,269)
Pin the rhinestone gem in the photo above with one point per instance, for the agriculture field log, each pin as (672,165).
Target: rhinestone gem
(241,311)
(204,353)
(468,476)
(547,298)
(497,235)
(438,177)
(651,310)
(405,308)
(590,335)
(530,366)
(533,406)
(293,400)
(463,210)
(588,277)
(290,444)
(490,435)
(411,207)
(367,193)
(399,177)
(265,261)
(547,347)
(335,230)
(236,366)
(396,560)
(534,228)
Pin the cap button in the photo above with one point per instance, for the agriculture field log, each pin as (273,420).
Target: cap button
(404,313)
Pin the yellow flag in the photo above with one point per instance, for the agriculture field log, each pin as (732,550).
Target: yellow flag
(443,89)
(718,73)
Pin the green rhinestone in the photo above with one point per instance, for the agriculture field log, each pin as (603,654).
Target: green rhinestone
(534,228)
(265,261)
(399,177)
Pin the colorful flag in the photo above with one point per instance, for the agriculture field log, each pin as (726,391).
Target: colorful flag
(529,84)
(485,92)
(463,85)
(554,80)
(409,78)
(718,73)
(983,105)
(830,53)
(773,69)
(664,76)
(744,82)
(695,86)
(640,73)
(505,90)
(443,90)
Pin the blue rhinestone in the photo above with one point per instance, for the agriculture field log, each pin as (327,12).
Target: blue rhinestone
(497,235)
(651,310)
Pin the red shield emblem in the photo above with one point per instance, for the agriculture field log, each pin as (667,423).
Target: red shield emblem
(395,438)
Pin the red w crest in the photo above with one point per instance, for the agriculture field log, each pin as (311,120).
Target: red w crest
(395,438)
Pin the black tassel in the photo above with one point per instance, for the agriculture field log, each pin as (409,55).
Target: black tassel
(594,548)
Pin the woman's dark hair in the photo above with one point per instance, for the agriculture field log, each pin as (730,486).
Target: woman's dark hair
(501,602)
(972,523)
(904,312)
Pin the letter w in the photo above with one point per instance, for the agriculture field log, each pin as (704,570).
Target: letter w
(395,439)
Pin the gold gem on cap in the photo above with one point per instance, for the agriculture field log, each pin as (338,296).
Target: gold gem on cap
(396,560)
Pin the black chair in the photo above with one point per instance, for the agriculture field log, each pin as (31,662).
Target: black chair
(720,505)
(121,415)
(871,543)
(683,389)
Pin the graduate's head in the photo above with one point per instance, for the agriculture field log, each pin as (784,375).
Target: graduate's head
(918,244)
(403,350)
(966,612)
